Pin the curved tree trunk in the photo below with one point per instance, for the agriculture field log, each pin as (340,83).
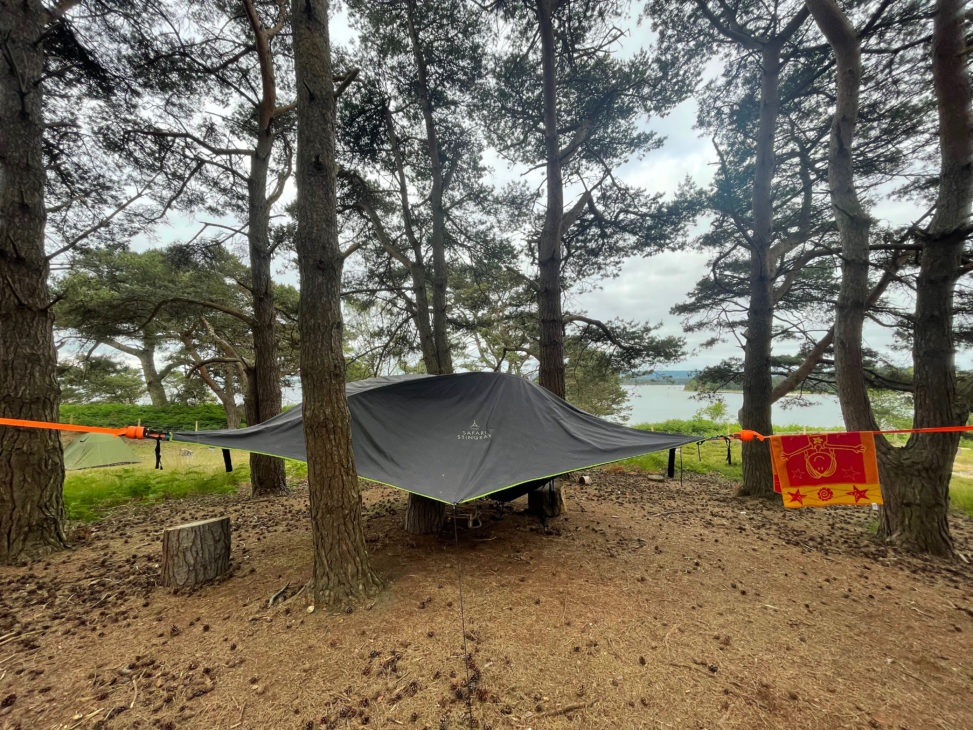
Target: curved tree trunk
(31,463)
(915,480)
(551,318)
(267,475)
(153,382)
(549,311)
(425,515)
(341,569)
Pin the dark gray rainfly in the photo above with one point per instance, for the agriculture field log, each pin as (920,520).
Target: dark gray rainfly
(454,438)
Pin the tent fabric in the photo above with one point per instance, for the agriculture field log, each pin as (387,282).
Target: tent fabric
(454,438)
(93,450)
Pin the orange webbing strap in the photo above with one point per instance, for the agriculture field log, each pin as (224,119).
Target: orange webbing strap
(132,432)
(747,435)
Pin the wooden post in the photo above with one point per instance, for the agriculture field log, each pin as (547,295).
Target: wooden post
(196,552)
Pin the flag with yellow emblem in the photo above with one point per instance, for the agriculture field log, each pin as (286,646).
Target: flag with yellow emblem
(821,469)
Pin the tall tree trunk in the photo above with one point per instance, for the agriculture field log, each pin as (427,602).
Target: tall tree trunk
(915,480)
(758,478)
(550,316)
(153,382)
(551,319)
(267,475)
(341,569)
(427,515)
(31,463)
(227,396)
(853,222)
(444,358)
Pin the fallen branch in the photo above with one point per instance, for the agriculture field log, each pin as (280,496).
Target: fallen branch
(291,598)
(564,710)
(277,595)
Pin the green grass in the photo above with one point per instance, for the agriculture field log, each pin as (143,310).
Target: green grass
(961,495)
(89,494)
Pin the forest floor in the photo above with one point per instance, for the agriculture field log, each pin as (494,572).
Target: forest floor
(649,604)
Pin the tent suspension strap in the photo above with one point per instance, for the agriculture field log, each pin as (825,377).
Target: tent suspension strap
(132,432)
(462,618)
(680,466)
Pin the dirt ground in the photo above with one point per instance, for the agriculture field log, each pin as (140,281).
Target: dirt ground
(648,605)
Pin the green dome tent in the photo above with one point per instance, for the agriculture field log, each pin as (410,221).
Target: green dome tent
(97,449)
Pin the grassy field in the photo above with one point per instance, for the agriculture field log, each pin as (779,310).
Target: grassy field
(91,493)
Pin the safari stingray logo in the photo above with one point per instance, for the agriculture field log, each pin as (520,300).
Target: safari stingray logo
(474,433)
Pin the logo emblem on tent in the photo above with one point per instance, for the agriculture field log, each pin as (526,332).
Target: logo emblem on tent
(474,433)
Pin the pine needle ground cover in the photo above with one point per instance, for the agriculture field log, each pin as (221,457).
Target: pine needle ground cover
(649,604)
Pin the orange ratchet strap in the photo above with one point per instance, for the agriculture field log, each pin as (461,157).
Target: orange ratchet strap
(131,432)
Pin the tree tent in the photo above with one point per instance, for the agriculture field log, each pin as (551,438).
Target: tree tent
(455,438)
(93,450)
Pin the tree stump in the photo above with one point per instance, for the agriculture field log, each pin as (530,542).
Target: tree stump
(196,552)
(547,501)
(424,516)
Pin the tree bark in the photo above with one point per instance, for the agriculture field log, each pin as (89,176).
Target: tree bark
(234,414)
(267,476)
(425,515)
(551,319)
(852,221)
(341,569)
(915,480)
(547,501)
(550,356)
(437,241)
(755,414)
(31,463)
(153,383)
(195,553)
